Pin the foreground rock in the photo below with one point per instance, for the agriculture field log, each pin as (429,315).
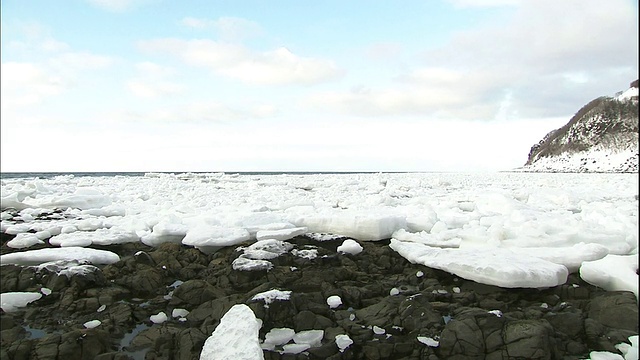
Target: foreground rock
(387,308)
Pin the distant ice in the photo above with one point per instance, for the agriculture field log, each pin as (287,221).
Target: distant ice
(529,225)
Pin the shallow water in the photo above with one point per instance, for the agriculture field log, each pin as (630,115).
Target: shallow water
(126,341)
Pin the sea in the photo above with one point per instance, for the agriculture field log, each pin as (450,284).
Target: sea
(49,175)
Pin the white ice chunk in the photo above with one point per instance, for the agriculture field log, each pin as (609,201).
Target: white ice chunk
(311,337)
(334,301)
(165,231)
(179,313)
(92,324)
(492,266)
(45,291)
(282,234)
(236,337)
(82,198)
(158,318)
(11,301)
(350,247)
(604,355)
(378,330)
(24,240)
(309,254)
(279,336)
(442,238)
(102,236)
(13,200)
(359,225)
(294,348)
(40,256)
(630,351)
(428,341)
(266,249)
(17,229)
(215,236)
(271,295)
(343,342)
(243,263)
(570,256)
(613,273)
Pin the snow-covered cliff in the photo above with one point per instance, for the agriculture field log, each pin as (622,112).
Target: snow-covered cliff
(600,137)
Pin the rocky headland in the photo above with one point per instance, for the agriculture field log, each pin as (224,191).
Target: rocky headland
(601,137)
(164,302)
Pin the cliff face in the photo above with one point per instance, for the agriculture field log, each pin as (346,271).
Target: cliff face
(600,137)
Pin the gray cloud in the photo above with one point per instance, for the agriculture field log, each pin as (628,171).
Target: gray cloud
(548,59)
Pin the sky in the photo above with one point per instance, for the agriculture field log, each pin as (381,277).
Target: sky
(289,85)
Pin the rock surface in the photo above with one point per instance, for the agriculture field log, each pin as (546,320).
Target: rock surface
(384,308)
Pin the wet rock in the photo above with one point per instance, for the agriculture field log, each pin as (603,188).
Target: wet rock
(189,343)
(615,309)
(74,345)
(195,292)
(154,337)
(383,313)
(529,339)
(462,337)
(568,321)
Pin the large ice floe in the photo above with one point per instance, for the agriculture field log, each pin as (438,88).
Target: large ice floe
(504,229)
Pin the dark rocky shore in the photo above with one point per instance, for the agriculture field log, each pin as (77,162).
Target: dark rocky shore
(470,320)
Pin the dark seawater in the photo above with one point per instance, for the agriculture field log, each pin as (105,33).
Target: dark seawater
(49,175)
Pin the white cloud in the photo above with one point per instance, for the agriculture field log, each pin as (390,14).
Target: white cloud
(152,89)
(464,4)
(117,5)
(54,68)
(26,84)
(234,29)
(81,61)
(193,112)
(551,57)
(383,50)
(279,66)
(151,81)
(196,23)
(228,28)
